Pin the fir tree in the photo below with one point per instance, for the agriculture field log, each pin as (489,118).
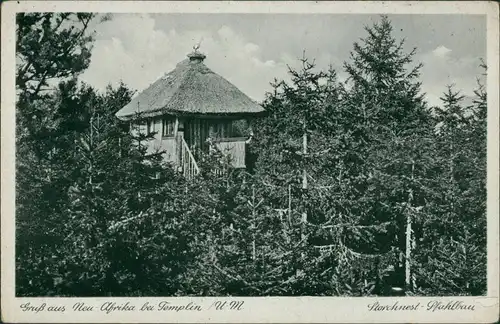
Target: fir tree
(390,155)
(47,49)
(452,253)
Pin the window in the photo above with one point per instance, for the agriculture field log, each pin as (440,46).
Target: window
(227,129)
(168,125)
(222,129)
(150,126)
(142,129)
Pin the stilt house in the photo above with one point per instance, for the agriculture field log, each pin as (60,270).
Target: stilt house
(190,109)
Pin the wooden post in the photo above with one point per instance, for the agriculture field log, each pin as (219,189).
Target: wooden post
(409,282)
(91,147)
(289,205)
(254,252)
(120,146)
(177,144)
(413,247)
(408,252)
(139,128)
(304,183)
(304,172)
(176,126)
(363,107)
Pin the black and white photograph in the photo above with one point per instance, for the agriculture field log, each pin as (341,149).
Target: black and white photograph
(252,154)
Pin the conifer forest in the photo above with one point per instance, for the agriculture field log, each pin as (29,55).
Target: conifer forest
(357,188)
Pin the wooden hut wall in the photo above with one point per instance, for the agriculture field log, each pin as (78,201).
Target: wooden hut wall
(159,142)
(196,131)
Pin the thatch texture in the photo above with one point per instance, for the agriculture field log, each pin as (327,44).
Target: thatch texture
(191,88)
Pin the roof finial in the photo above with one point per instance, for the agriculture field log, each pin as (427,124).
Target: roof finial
(196,47)
(196,56)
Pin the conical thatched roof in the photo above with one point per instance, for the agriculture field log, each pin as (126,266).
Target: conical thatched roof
(191,88)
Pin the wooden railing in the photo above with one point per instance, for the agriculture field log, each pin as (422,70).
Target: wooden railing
(189,166)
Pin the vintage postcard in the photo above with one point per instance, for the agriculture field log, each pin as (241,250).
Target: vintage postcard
(249,162)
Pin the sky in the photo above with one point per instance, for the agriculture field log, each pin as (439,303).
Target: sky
(251,50)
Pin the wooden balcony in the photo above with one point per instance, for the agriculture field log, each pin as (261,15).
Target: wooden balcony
(233,148)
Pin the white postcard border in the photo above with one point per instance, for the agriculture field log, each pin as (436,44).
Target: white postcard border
(256,309)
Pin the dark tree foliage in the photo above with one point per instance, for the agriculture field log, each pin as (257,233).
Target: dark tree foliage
(49,46)
(451,258)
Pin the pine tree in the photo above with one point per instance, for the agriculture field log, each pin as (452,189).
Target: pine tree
(246,248)
(47,49)
(309,123)
(389,157)
(43,179)
(453,248)
(121,223)
(112,211)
